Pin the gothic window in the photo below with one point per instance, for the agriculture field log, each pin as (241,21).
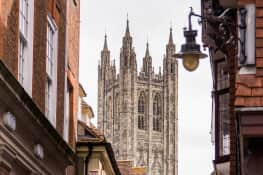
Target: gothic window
(141,103)
(172,68)
(157,113)
(125,60)
(117,112)
(141,112)
(109,113)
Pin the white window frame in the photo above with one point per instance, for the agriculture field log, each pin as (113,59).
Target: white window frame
(250,44)
(25,44)
(51,74)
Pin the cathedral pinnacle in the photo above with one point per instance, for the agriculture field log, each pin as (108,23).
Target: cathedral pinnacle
(105,43)
(127,33)
(171,37)
(147,53)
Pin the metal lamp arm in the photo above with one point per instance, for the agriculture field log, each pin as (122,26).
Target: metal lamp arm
(190,17)
(210,18)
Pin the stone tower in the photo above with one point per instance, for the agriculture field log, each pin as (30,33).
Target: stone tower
(138,112)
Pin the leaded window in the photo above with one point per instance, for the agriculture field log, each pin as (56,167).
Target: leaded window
(157,113)
(141,112)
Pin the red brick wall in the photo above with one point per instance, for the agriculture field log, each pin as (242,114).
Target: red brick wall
(57,9)
(39,54)
(60,16)
(9,28)
(73,63)
(249,88)
(9,34)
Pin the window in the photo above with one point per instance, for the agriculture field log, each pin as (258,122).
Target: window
(51,76)
(222,99)
(250,141)
(141,112)
(21,60)
(224,129)
(117,109)
(50,51)
(109,114)
(23,17)
(141,122)
(141,104)
(172,68)
(252,155)
(157,113)
(25,44)
(246,33)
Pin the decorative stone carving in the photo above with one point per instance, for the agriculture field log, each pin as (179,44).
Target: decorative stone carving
(39,151)
(9,121)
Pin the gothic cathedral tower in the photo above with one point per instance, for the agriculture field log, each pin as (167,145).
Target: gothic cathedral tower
(138,112)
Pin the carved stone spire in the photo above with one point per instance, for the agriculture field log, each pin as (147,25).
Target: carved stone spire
(171,37)
(170,47)
(147,53)
(127,33)
(105,47)
(105,53)
(147,61)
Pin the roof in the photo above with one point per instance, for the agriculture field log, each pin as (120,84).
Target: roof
(94,137)
(92,130)
(86,107)
(82,92)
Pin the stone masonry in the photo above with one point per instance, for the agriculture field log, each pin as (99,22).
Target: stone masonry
(137,112)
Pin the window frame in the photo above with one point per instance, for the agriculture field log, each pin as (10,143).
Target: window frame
(25,44)
(21,59)
(51,79)
(142,112)
(247,36)
(24,18)
(220,91)
(157,113)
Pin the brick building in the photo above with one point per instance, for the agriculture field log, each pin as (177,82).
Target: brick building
(233,32)
(39,53)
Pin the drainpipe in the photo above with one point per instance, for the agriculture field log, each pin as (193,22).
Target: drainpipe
(88,159)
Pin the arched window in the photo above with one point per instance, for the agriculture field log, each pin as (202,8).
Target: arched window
(172,68)
(141,112)
(141,103)
(117,112)
(109,113)
(157,122)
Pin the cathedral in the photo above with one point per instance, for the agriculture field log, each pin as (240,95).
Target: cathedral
(137,111)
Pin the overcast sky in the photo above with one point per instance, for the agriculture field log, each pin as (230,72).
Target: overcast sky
(152,19)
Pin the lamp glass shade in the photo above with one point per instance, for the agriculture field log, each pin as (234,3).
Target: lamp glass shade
(190,61)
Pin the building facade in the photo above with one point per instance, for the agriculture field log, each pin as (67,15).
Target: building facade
(39,76)
(137,111)
(235,45)
(96,156)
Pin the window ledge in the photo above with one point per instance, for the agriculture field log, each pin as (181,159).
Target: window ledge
(247,70)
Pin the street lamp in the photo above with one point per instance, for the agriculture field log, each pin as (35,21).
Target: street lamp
(190,51)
